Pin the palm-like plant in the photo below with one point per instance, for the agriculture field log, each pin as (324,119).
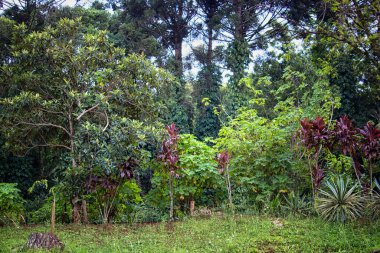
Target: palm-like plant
(370,145)
(339,201)
(346,136)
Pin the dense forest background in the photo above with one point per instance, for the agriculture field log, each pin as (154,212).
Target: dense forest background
(86,93)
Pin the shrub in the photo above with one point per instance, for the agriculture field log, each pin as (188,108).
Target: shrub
(339,200)
(296,205)
(11,203)
(373,203)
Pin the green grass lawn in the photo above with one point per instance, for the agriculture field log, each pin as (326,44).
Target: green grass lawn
(238,234)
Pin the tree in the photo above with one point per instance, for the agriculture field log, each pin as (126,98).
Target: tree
(110,159)
(370,146)
(264,160)
(169,157)
(33,13)
(206,87)
(345,35)
(176,15)
(85,78)
(223,159)
(249,25)
(356,25)
(134,28)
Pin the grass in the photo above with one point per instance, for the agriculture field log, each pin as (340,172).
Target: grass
(228,234)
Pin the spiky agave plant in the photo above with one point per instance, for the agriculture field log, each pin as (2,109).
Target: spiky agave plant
(339,200)
(296,205)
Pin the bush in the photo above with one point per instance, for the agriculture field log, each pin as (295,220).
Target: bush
(11,203)
(142,213)
(373,204)
(296,205)
(339,200)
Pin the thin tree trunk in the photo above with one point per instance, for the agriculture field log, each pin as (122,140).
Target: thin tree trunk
(356,167)
(75,200)
(209,47)
(178,39)
(311,178)
(229,188)
(178,55)
(52,221)
(370,176)
(171,213)
(192,206)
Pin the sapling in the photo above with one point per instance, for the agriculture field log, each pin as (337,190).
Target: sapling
(45,240)
(44,184)
(223,159)
(169,157)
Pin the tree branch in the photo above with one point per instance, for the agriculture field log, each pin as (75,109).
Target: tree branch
(44,125)
(105,128)
(88,110)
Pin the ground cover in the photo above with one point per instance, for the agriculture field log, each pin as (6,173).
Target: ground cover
(216,234)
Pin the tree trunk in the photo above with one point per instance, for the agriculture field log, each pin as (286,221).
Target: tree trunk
(52,221)
(178,39)
(84,212)
(178,54)
(76,210)
(239,23)
(229,189)
(75,201)
(192,206)
(370,176)
(209,46)
(356,167)
(171,213)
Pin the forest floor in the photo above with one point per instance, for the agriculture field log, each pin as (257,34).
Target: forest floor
(215,234)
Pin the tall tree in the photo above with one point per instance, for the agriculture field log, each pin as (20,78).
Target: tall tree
(206,88)
(176,15)
(31,12)
(248,25)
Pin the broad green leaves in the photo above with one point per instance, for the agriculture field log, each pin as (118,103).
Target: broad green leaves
(199,168)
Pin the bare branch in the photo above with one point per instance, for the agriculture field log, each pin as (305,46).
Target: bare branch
(105,128)
(88,110)
(47,145)
(44,125)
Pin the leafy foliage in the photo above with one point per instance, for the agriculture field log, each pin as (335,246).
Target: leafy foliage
(296,205)
(198,167)
(371,142)
(11,203)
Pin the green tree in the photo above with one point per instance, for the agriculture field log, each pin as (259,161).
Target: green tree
(59,78)
(109,160)
(249,25)
(206,87)
(263,162)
